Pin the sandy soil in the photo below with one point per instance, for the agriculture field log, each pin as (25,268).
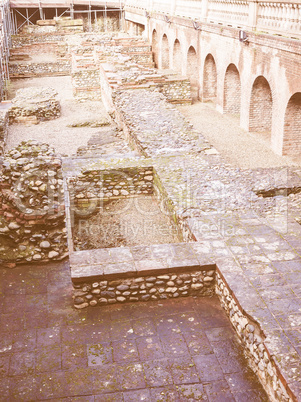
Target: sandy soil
(237,146)
(126,222)
(66,140)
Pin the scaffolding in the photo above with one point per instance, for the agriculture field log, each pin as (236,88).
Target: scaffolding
(27,11)
(7,28)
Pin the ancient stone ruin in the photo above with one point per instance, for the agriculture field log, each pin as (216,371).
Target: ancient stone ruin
(32,219)
(32,105)
(113,204)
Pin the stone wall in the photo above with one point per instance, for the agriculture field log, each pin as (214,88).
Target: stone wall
(254,343)
(87,189)
(86,84)
(35,37)
(159,286)
(3,129)
(177,91)
(32,105)
(28,70)
(32,216)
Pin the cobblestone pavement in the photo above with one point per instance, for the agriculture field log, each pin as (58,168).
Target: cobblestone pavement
(170,350)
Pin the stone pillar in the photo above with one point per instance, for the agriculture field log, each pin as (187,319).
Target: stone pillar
(253,11)
(204,10)
(173,7)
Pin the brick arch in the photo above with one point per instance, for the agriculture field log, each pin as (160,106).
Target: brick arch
(232,90)
(261,106)
(192,72)
(155,47)
(177,56)
(165,52)
(292,126)
(209,79)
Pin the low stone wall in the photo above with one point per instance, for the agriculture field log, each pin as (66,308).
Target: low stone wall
(254,343)
(28,70)
(86,84)
(34,105)
(87,189)
(162,285)
(32,211)
(3,129)
(37,36)
(177,90)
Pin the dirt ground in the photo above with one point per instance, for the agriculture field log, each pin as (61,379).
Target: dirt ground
(126,222)
(66,140)
(237,146)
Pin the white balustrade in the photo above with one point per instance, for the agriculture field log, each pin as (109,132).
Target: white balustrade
(282,18)
(235,13)
(271,16)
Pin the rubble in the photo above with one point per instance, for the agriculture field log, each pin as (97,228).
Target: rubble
(32,218)
(34,105)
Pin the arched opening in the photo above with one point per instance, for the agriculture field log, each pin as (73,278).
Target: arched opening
(261,107)
(192,72)
(232,91)
(165,52)
(177,56)
(155,47)
(292,126)
(210,78)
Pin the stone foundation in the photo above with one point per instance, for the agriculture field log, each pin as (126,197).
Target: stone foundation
(92,187)
(32,218)
(29,70)
(3,129)
(34,105)
(254,342)
(143,288)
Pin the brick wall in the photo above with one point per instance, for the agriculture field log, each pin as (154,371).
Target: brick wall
(155,47)
(292,126)
(278,59)
(210,79)
(165,52)
(261,106)
(192,71)
(177,56)
(232,90)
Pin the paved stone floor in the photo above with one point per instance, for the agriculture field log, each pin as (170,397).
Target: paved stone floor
(173,350)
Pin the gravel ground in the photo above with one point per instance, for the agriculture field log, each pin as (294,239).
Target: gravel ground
(238,147)
(66,140)
(126,222)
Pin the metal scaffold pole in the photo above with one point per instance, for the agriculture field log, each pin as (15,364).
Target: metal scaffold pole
(6,30)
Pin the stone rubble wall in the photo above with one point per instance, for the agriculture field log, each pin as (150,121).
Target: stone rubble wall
(253,342)
(143,288)
(59,48)
(29,70)
(177,91)
(87,189)
(34,105)
(86,84)
(183,229)
(32,212)
(35,37)
(3,129)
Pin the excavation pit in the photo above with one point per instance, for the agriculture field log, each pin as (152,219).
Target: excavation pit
(125,222)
